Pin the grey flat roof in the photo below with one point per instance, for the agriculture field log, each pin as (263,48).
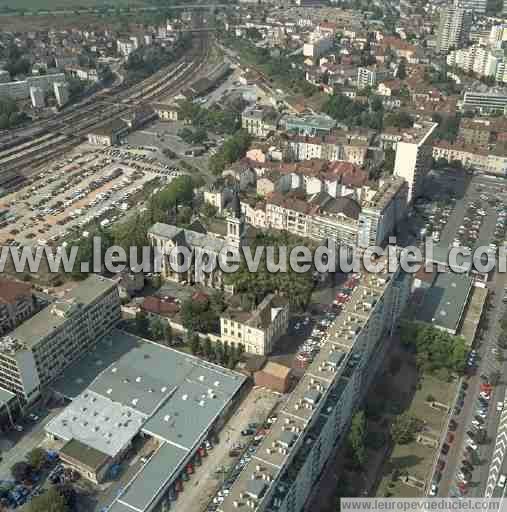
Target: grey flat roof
(36,328)
(153,477)
(445,301)
(169,394)
(98,422)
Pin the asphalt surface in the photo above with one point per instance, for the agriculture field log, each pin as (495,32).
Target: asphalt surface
(491,464)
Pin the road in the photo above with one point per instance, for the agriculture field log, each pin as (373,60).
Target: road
(487,365)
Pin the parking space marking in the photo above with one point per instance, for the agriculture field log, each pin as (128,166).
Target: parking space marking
(498,453)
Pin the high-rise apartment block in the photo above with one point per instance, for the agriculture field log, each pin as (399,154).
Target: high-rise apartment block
(453,27)
(414,157)
(315,418)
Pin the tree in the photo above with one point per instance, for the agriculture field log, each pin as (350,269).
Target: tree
(37,458)
(357,436)
(21,471)
(195,344)
(69,495)
(142,323)
(50,501)
(167,334)
(207,348)
(157,329)
(199,316)
(389,160)
(404,428)
(402,70)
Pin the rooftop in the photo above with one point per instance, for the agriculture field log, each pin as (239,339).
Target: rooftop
(445,301)
(89,457)
(11,291)
(33,330)
(143,387)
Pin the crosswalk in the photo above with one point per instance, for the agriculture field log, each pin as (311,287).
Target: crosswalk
(499,453)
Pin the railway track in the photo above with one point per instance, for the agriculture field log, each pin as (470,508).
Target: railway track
(23,158)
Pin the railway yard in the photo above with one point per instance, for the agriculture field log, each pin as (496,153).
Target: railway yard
(24,154)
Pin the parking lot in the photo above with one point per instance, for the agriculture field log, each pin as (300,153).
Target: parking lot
(475,216)
(93,185)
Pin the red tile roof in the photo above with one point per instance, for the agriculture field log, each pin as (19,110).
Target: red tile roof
(11,290)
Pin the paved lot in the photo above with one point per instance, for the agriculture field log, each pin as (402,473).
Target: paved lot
(15,445)
(95,186)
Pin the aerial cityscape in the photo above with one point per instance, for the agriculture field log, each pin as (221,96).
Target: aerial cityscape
(253,254)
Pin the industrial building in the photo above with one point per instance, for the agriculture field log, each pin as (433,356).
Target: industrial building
(38,97)
(315,419)
(127,387)
(41,347)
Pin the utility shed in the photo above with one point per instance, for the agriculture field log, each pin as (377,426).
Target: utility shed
(274,376)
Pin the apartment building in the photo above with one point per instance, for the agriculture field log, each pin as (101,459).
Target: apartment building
(484,102)
(259,121)
(290,212)
(16,304)
(21,90)
(315,419)
(489,160)
(413,156)
(317,44)
(257,330)
(62,93)
(39,349)
(482,61)
(37,97)
(453,27)
(372,75)
(381,213)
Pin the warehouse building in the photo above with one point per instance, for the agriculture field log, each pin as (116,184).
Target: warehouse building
(127,388)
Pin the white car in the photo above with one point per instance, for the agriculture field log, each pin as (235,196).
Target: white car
(472,444)
(433,490)
(499,406)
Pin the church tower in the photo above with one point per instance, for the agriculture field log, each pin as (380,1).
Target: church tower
(235,223)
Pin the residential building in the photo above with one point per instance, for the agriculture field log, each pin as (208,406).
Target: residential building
(381,214)
(41,347)
(317,44)
(413,157)
(257,330)
(315,419)
(38,97)
(16,304)
(485,102)
(125,47)
(259,121)
(370,76)
(475,6)
(21,90)
(62,94)
(453,27)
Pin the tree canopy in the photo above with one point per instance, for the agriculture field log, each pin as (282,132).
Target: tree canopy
(435,349)
(233,149)
(9,113)
(51,501)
